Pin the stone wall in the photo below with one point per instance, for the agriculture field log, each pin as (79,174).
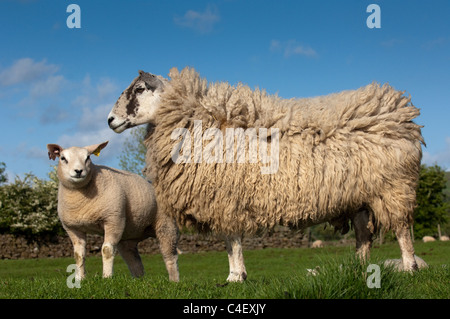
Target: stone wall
(12,247)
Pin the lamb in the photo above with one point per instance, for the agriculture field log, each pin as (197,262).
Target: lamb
(349,156)
(114,203)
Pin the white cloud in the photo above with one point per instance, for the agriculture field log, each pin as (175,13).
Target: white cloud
(392,42)
(26,70)
(436,43)
(202,22)
(441,158)
(53,113)
(94,95)
(49,86)
(91,118)
(36,152)
(291,48)
(101,134)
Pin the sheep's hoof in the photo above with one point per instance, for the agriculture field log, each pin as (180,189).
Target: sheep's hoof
(234,277)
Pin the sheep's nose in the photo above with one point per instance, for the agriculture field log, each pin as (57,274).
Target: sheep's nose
(78,172)
(110,119)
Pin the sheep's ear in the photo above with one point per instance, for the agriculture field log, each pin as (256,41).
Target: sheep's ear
(95,149)
(54,150)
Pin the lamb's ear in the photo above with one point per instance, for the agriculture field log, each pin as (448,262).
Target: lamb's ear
(54,150)
(96,148)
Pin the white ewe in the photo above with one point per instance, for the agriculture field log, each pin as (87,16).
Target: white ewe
(427,239)
(114,203)
(398,263)
(317,244)
(351,156)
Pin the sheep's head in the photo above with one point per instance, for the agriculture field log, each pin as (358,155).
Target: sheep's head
(138,103)
(75,165)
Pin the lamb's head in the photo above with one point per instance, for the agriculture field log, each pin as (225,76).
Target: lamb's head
(75,165)
(138,103)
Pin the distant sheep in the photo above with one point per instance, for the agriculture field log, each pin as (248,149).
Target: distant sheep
(398,263)
(444,238)
(317,244)
(350,156)
(114,203)
(427,239)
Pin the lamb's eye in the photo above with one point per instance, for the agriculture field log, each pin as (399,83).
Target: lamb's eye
(88,158)
(63,159)
(139,90)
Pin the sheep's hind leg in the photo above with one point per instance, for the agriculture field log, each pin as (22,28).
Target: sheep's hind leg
(129,252)
(236,259)
(363,235)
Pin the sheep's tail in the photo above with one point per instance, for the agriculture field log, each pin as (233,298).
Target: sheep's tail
(383,111)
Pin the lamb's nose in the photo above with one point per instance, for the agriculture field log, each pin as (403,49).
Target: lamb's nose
(110,119)
(78,171)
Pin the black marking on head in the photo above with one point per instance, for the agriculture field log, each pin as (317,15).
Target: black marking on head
(133,105)
(151,81)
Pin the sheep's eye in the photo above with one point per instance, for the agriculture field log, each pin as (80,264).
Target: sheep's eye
(139,90)
(88,158)
(63,159)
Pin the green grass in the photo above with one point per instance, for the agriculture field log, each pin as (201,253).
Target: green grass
(272,273)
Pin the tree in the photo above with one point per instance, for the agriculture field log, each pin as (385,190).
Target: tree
(28,206)
(432,209)
(132,159)
(3,178)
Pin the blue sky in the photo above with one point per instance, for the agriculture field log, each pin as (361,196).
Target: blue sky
(57,84)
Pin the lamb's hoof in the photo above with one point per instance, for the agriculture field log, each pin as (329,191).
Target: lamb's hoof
(235,277)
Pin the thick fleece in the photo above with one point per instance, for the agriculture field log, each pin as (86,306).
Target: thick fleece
(338,154)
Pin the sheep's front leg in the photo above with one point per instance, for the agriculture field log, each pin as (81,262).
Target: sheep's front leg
(167,234)
(235,259)
(79,248)
(407,248)
(113,234)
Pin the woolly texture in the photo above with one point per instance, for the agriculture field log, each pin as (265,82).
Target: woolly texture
(112,195)
(338,154)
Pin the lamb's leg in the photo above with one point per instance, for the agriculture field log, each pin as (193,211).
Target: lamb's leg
(79,248)
(407,248)
(363,235)
(108,253)
(129,252)
(167,234)
(235,259)
(113,234)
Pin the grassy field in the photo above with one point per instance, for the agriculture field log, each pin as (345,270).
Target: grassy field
(272,273)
